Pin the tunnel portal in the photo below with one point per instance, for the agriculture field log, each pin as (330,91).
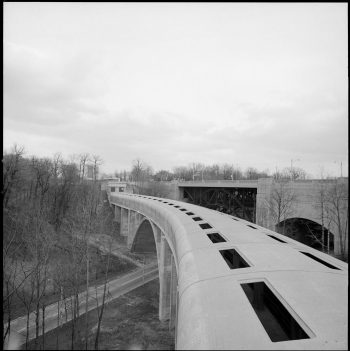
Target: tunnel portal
(307,232)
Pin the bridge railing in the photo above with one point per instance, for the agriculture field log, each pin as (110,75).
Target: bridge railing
(227,181)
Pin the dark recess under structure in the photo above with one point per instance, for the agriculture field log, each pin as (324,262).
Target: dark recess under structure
(240,202)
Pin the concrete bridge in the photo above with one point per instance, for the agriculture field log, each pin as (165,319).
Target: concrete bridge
(226,283)
(254,201)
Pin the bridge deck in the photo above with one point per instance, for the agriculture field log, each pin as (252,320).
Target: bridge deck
(220,184)
(214,311)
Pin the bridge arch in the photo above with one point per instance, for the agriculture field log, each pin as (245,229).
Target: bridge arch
(144,240)
(148,238)
(212,311)
(308,232)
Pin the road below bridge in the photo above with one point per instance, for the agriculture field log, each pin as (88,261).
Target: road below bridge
(115,288)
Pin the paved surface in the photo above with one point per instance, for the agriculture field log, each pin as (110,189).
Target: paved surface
(115,288)
(103,242)
(213,311)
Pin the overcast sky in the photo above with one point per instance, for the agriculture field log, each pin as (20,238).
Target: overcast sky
(249,84)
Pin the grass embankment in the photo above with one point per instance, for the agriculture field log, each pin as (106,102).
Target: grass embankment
(129,322)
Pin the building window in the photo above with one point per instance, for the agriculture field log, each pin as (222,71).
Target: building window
(112,189)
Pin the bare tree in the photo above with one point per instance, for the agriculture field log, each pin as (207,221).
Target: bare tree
(163,175)
(83,159)
(27,297)
(251,173)
(182,173)
(197,170)
(320,205)
(100,310)
(136,171)
(140,173)
(280,203)
(10,171)
(97,161)
(337,212)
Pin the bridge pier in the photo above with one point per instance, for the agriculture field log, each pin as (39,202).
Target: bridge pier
(158,239)
(173,294)
(166,278)
(135,220)
(124,222)
(130,222)
(117,213)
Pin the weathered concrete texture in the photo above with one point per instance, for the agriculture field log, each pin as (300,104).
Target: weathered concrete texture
(124,222)
(305,206)
(212,310)
(164,279)
(145,237)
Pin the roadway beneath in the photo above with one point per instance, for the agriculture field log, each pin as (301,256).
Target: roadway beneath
(115,288)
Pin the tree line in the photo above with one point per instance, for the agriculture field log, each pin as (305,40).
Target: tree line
(141,171)
(49,211)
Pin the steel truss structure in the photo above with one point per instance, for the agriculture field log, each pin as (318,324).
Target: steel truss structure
(239,202)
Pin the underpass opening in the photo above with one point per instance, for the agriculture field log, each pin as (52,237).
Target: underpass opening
(308,232)
(144,243)
(148,239)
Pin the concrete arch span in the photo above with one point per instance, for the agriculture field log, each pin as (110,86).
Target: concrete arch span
(201,287)
(146,237)
(177,268)
(308,232)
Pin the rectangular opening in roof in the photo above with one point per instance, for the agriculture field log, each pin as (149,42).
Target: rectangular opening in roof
(177,206)
(183,209)
(216,238)
(170,204)
(205,226)
(235,219)
(197,219)
(165,202)
(319,260)
(248,225)
(233,259)
(275,318)
(274,237)
(190,213)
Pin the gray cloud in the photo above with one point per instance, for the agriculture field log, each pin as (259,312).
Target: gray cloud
(127,82)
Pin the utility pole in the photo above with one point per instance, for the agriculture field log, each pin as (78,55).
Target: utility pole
(341,169)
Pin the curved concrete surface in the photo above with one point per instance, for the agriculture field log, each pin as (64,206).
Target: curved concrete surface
(213,311)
